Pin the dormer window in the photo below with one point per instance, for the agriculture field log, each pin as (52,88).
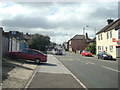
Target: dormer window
(13,32)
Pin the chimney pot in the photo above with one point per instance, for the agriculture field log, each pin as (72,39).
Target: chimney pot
(110,21)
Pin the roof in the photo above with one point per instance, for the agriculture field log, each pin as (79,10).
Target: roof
(113,25)
(93,40)
(26,37)
(76,37)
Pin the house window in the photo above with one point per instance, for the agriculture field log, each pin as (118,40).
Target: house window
(111,34)
(101,37)
(106,48)
(13,32)
(99,47)
(102,47)
(98,37)
(111,48)
(107,35)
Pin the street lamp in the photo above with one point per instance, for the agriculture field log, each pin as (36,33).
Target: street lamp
(93,28)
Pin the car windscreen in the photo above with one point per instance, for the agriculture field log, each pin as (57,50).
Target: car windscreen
(87,52)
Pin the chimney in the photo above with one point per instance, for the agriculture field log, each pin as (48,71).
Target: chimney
(26,33)
(86,36)
(110,21)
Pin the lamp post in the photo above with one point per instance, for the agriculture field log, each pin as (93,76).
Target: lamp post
(93,28)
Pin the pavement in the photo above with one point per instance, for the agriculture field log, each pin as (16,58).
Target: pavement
(26,74)
(16,73)
(54,74)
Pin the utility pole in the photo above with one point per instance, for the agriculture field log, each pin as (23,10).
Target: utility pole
(93,28)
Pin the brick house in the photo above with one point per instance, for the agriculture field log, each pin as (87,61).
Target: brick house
(78,42)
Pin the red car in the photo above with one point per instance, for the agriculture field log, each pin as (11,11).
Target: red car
(86,53)
(29,54)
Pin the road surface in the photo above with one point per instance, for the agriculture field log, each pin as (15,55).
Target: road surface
(93,72)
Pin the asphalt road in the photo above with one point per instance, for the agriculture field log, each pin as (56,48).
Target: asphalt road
(92,72)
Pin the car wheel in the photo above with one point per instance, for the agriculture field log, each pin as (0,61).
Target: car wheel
(37,60)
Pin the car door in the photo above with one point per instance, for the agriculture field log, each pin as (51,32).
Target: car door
(32,54)
(24,54)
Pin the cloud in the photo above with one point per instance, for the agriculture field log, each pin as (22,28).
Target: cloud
(57,19)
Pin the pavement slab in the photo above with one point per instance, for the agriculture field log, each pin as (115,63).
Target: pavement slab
(17,74)
(20,73)
(14,83)
(53,74)
(52,80)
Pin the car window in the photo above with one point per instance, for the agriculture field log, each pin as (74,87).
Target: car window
(25,51)
(33,52)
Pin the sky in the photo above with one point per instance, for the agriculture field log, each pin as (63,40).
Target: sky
(59,20)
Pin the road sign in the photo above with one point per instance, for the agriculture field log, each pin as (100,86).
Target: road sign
(113,39)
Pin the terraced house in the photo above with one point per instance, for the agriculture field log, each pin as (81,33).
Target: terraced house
(108,38)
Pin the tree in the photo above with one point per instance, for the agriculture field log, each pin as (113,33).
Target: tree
(40,42)
(91,47)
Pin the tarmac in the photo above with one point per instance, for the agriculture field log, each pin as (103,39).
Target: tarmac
(26,74)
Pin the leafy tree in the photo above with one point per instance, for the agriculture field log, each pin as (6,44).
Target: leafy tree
(40,42)
(91,47)
(52,45)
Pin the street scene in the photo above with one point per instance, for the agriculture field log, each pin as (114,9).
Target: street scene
(60,45)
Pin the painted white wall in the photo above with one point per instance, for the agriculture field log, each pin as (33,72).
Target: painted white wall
(106,43)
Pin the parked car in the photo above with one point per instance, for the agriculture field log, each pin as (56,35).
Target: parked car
(58,51)
(29,54)
(86,53)
(104,55)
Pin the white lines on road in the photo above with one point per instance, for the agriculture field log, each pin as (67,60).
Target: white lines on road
(91,63)
(86,62)
(110,69)
(75,77)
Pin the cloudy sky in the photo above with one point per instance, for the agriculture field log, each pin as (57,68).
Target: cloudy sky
(59,20)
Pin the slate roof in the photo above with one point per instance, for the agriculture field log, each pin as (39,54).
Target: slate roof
(78,37)
(113,25)
(26,37)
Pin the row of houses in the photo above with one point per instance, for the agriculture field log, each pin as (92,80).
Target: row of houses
(107,39)
(14,41)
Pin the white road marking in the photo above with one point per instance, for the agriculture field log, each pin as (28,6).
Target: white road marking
(91,63)
(110,69)
(76,78)
(108,61)
(71,59)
